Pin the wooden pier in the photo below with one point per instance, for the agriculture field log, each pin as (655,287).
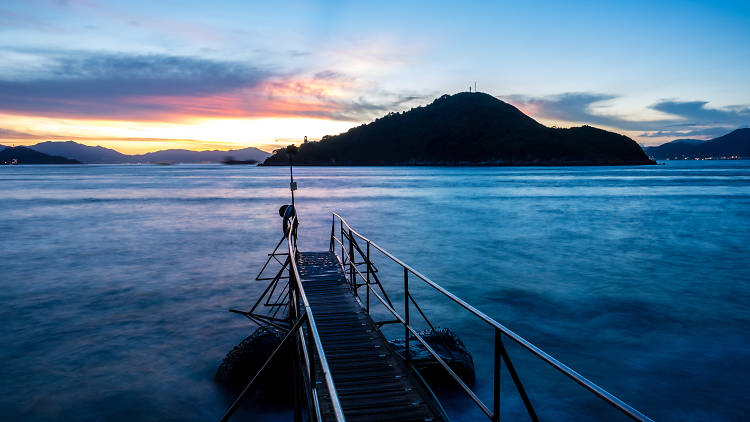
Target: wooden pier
(347,368)
(372,381)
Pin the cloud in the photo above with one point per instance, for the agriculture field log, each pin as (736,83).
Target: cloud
(685,118)
(98,84)
(10,134)
(570,106)
(362,109)
(699,112)
(160,87)
(677,132)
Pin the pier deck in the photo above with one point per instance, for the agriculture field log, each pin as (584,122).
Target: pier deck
(373,383)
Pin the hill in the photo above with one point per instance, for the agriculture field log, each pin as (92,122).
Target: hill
(187,156)
(734,144)
(26,155)
(80,152)
(466,129)
(102,155)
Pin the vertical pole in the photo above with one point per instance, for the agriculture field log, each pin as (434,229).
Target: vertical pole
(292,304)
(333,233)
(519,385)
(496,378)
(294,316)
(352,279)
(341,226)
(368,277)
(311,358)
(406,314)
(291,178)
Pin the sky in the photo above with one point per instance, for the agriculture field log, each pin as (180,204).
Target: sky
(139,76)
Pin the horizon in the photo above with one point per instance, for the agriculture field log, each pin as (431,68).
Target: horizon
(139,77)
(93,144)
(235,147)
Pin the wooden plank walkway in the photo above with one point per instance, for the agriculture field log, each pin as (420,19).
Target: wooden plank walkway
(372,381)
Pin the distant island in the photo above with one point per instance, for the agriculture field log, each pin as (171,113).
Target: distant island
(466,129)
(231,161)
(24,155)
(100,155)
(734,145)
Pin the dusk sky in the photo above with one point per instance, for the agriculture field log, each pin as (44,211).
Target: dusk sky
(144,75)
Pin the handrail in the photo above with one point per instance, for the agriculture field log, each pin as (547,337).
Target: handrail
(337,409)
(570,373)
(245,390)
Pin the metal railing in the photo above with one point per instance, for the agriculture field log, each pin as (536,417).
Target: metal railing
(348,258)
(306,337)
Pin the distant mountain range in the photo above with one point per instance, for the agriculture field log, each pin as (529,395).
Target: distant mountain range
(187,156)
(83,153)
(466,129)
(732,145)
(101,155)
(24,155)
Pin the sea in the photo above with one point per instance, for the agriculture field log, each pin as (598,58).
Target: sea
(116,281)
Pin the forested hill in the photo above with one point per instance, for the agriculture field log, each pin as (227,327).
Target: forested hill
(466,129)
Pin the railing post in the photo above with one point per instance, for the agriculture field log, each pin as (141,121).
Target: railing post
(292,283)
(519,386)
(341,226)
(406,314)
(333,226)
(311,358)
(496,377)
(352,280)
(368,277)
(294,317)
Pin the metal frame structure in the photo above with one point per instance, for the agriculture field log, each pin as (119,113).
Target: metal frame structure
(352,255)
(273,298)
(303,332)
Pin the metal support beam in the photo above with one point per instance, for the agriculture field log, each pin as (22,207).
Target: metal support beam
(496,377)
(517,382)
(406,314)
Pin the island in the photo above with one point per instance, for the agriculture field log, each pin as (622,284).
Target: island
(231,161)
(466,129)
(732,146)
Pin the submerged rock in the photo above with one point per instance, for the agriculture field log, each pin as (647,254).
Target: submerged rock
(275,383)
(449,347)
(244,360)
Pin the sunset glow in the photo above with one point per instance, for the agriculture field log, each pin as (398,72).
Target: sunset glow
(143,75)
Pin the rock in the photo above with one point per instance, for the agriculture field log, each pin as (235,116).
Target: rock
(245,359)
(449,347)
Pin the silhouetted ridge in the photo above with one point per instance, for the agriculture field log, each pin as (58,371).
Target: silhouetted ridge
(735,144)
(80,152)
(25,155)
(102,155)
(466,129)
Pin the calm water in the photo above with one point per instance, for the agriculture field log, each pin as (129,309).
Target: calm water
(115,280)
